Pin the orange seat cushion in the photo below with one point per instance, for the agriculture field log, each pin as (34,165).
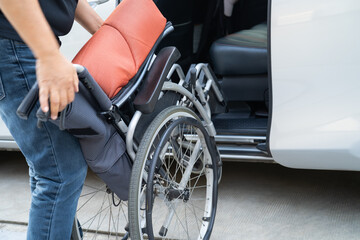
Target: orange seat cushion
(114,54)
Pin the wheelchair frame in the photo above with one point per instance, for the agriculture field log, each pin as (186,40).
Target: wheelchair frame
(201,104)
(193,94)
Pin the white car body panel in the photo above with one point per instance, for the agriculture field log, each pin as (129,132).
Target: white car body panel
(78,36)
(71,44)
(6,140)
(315,49)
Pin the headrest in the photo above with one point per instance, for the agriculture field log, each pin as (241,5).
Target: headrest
(114,54)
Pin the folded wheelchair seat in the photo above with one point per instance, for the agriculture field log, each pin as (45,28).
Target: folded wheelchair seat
(116,51)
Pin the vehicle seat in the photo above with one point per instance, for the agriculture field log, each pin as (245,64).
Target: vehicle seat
(241,60)
(243,52)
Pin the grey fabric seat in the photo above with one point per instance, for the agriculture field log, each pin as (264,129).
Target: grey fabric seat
(241,53)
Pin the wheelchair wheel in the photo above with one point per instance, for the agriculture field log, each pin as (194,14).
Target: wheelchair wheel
(173,188)
(100,213)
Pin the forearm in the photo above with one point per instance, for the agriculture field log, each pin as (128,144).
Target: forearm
(87,17)
(30,23)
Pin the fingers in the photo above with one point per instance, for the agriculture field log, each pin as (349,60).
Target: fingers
(54,104)
(59,99)
(76,81)
(71,91)
(70,95)
(44,99)
(64,100)
(58,82)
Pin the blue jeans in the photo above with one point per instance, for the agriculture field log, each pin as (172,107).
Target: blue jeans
(57,168)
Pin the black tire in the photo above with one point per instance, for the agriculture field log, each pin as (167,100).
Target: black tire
(156,187)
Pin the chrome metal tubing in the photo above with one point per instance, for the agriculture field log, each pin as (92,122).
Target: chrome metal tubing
(246,158)
(179,71)
(240,149)
(201,95)
(239,139)
(130,134)
(205,68)
(121,124)
(78,68)
(170,86)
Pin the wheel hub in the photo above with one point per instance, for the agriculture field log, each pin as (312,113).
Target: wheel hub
(172,194)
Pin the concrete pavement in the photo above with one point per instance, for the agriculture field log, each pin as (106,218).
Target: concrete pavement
(256,202)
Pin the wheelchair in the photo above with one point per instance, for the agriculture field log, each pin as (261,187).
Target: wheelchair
(176,166)
(177,127)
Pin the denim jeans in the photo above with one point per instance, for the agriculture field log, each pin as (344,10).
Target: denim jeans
(57,168)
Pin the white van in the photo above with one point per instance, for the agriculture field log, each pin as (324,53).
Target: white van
(291,82)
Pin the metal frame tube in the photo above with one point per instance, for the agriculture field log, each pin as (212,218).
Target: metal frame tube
(170,86)
(205,68)
(179,71)
(130,134)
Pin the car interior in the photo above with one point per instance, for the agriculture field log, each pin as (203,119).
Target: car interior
(230,35)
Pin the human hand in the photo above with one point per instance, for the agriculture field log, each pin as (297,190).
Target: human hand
(57,80)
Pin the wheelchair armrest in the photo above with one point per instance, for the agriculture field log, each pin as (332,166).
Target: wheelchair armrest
(149,92)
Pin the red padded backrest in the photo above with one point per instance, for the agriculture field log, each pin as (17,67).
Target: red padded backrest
(116,51)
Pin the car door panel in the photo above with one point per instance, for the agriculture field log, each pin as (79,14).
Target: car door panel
(315,84)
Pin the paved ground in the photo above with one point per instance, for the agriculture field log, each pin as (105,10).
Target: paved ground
(256,202)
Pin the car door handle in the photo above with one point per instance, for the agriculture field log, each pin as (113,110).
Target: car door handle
(95,3)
